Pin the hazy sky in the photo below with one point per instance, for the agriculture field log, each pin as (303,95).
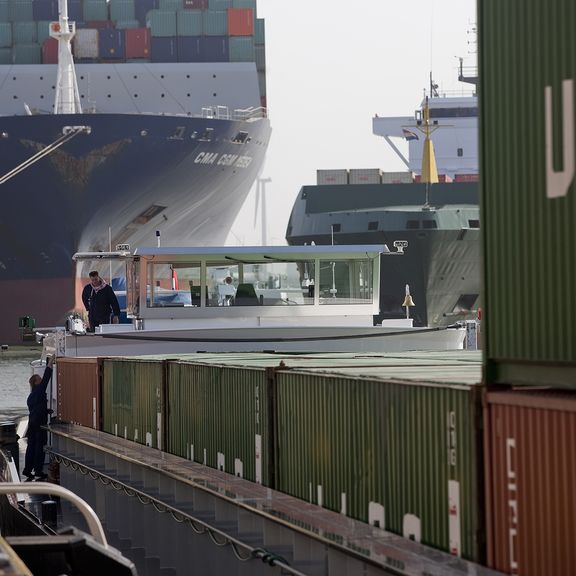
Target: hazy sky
(331,66)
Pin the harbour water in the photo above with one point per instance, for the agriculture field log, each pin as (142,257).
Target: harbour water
(14,373)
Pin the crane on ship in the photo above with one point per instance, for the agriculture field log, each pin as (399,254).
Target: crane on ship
(67,99)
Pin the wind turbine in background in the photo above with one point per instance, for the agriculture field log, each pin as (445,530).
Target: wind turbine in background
(261,198)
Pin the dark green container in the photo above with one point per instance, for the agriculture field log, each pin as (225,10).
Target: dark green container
(218,416)
(527,112)
(133,400)
(403,456)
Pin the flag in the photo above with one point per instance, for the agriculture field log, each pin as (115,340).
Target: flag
(409,135)
(174,279)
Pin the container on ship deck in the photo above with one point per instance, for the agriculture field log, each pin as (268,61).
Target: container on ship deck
(219,417)
(214,23)
(5,55)
(162,24)
(164,49)
(133,400)
(365,176)
(262,83)
(530,477)
(215,49)
(24,32)
(50,51)
(260,31)
(244,4)
(27,54)
(195,4)
(137,42)
(85,43)
(99,24)
(44,10)
(122,10)
(397,177)
(405,456)
(260,57)
(20,11)
(42,31)
(189,23)
(5,35)
(79,389)
(441,178)
(339,176)
(240,22)
(4,11)
(95,10)
(466,177)
(170,5)
(111,44)
(189,48)
(242,49)
(219,4)
(127,24)
(141,9)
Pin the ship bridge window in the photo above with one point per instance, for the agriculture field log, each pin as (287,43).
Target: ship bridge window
(207,135)
(373,225)
(345,282)
(429,224)
(241,137)
(453,112)
(412,224)
(336,227)
(460,152)
(474,223)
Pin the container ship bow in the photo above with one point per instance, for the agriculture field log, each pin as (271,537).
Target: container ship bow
(159,127)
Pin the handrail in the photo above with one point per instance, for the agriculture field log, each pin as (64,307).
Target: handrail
(94,524)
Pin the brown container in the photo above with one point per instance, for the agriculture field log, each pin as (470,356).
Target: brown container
(79,395)
(240,22)
(137,42)
(466,177)
(50,51)
(195,4)
(530,443)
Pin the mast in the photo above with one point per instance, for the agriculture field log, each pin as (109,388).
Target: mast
(429,169)
(67,100)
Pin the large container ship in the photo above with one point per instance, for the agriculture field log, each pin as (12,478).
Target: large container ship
(153,126)
(437,221)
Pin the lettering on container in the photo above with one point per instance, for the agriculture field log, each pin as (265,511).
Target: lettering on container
(558,182)
(452,439)
(257,404)
(512,487)
(213,158)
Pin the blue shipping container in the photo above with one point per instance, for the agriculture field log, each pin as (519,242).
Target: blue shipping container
(45,10)
(141,9)
(190,49)
(111,44)
(215,49)
(164,49)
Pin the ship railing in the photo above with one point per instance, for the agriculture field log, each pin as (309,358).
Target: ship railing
(249,113)
(242,114)
(217,112)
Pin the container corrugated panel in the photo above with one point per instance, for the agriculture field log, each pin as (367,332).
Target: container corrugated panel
(215,23)
(45,10)
(189,48)
(133,400)
(164,49)
(20,10)
(189,22)
(403,456)
(219,417)
(244,4)
(50,51)
(5,55)
(260,57)
(27,54)
(339,176)
(24,32)
(142,7)
(122,10)
(365,176)
(95,10)
(137,43)
(85,43)
(262,83)
(528,189)
(5,35)
(219,4)
(78,383)
(397,177)
(241,22)
(162,24)
(4,11)
(42,31)
(195,4)
(531,474)
(260,31)
(111,44)
(170,5)
(127,24)
(466,177)
(214,49)
(242,49)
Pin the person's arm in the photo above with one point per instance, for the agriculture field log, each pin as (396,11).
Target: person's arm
(47,375)
(86,298)
(115,307)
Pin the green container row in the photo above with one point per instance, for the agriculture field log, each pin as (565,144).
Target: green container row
(405,456)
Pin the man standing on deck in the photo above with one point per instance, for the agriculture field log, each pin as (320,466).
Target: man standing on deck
(38,418)
(100,302)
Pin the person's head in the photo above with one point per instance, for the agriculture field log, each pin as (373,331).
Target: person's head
(95,279)
(34,380)
(228,280)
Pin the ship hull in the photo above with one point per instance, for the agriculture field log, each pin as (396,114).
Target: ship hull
(441,263)
(131,176)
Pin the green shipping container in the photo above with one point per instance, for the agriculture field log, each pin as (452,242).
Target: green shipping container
(215,23)
(4,11)
(27,54)
(5,35)
(133,400)
(189,22)
(42,31)
(122,10)
(260,31)
(527,108)
(218,416)
(94,10)
(242,49)
(20,11)
(5,55)
(162,23)
(403,456)
(24,32)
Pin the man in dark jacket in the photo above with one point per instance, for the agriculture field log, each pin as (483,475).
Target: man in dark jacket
(38,417)
(100,302)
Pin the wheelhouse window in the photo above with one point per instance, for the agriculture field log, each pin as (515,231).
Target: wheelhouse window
(346,282)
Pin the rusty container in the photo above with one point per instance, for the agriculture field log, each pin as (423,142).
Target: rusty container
(79,391)
(530,465)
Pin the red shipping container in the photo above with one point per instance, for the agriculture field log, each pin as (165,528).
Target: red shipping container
(99,24)
(50,51)
(466,177)
(441,178)
(195,4)
(240,22)
(137,42)
(530,462)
